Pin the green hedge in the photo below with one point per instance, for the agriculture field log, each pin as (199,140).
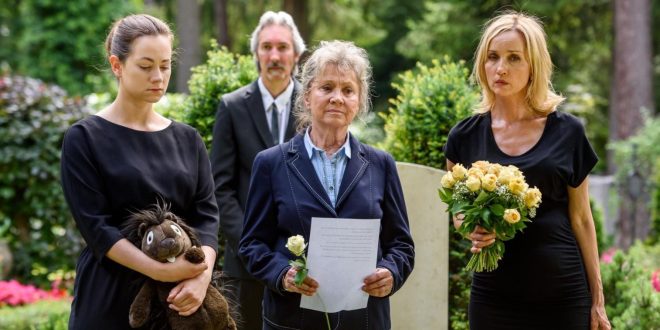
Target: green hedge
(43,315)
(430,101)
(39,227)
(630,299)
(222,73)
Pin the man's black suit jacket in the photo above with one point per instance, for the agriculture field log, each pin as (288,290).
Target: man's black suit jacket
(239,133)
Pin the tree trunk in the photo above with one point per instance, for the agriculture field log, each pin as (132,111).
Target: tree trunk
(631,90)
(22,225)
(298,10)
(188,17)
(221,25)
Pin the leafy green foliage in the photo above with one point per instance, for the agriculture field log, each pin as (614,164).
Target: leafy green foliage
(223,73)
(61,42)
(43,315)
(172,106)
(631,301)
(33,119)
(430,101)
(654,237)
(641,153)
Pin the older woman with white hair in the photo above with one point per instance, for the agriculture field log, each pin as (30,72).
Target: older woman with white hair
(326,172)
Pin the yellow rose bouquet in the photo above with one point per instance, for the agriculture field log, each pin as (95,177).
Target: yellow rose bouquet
(494,197)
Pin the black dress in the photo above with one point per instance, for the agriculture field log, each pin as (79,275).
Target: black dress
(541,281)
(109,170)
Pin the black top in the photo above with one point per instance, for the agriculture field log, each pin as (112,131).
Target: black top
(109,170)
(542,264)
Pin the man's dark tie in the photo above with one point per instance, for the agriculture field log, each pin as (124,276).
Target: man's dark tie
(274,124)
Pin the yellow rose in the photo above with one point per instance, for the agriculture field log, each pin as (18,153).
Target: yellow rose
(489,182)
(516,172)
(482,165)
(511,216)
(494,169)
(473,183)
(532,197)
(296,244)
(447,180)
(458,172)
(517,186)
(506,175)
(475,171)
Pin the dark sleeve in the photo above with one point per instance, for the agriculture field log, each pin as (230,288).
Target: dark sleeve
(451,146)
(205,210)
(260,231)
(395,239)
(85,193)
(584,157)
(223,162)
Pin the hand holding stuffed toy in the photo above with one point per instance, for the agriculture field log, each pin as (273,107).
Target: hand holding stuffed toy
(164,236)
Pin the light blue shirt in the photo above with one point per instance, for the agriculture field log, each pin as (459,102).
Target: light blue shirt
(283,102)
(330,170)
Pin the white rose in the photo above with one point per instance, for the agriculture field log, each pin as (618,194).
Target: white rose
(296,244)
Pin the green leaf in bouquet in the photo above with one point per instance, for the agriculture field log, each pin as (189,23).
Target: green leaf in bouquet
(497,209)
(485,216)
(458,207)
(446,195)
(300,276)
(467,226)
(482,198)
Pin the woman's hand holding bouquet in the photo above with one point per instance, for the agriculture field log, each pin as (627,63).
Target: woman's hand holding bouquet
(492,196)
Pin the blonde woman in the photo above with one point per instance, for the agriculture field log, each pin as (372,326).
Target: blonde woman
(549,277)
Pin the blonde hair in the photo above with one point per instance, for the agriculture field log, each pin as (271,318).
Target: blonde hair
(540,96)
(347,57)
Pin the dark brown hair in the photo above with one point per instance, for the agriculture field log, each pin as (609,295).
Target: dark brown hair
(126,30)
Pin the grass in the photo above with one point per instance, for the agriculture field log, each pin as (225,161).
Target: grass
(43,315)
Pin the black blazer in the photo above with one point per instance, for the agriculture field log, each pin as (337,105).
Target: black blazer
(240,131)
(285,193)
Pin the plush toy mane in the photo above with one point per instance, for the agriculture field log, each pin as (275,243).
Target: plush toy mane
(138,222)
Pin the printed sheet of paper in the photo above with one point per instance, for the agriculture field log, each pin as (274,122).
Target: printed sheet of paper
(341,253)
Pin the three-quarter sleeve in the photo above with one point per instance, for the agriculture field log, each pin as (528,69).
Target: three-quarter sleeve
(395,238)
(584,157)
(85,193)
(205,210)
